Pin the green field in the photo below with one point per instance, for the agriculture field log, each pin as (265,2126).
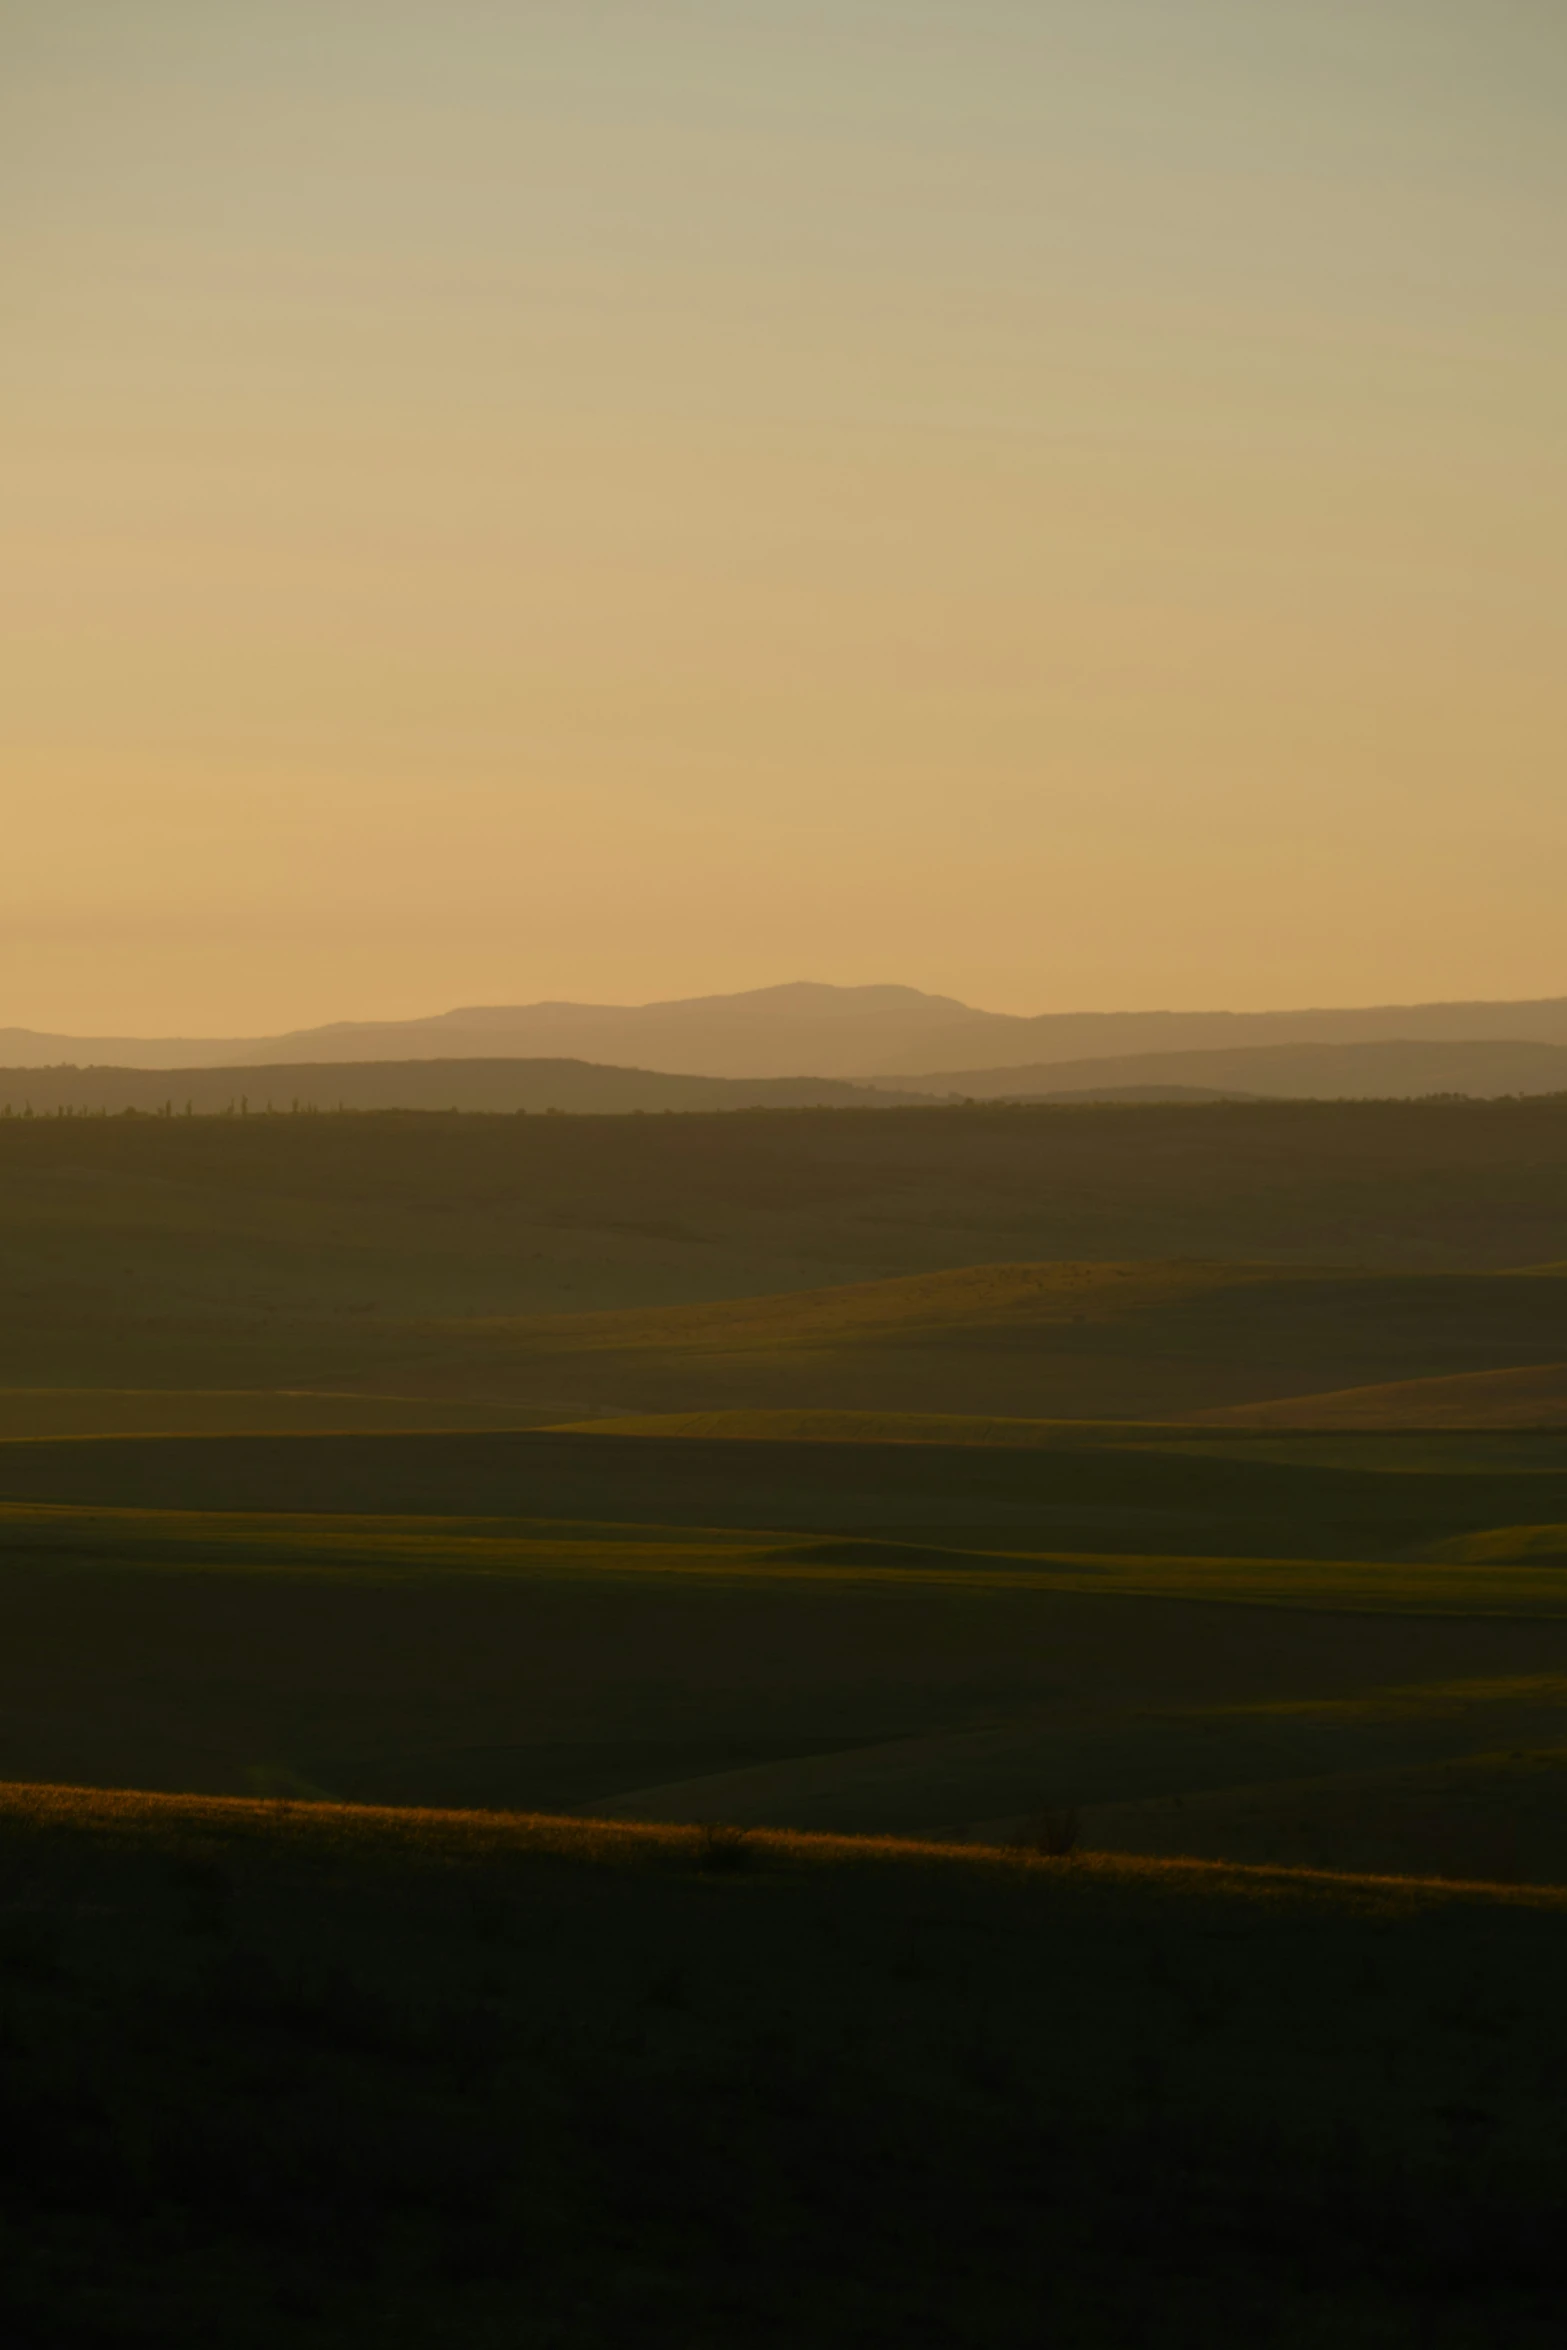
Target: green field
(796,1629)
(1117,1488)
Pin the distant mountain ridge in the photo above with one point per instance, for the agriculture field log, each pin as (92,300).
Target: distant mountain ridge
(875,1034)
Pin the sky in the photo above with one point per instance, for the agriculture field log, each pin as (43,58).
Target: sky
(1059,502)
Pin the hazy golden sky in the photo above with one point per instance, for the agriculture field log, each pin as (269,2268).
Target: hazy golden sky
(1057,503)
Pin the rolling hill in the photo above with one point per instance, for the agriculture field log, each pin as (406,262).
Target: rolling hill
(572,1088)
(488,1082)
(1387,1069)
(1076,1341)
(900,1636)
(1114,1263)
(1535,1397)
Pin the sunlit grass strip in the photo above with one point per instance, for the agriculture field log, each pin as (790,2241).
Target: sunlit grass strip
(806,1426)
(370,1832)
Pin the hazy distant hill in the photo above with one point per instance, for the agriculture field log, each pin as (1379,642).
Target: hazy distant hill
(575,1086)
(855,1032)
(1299,1072)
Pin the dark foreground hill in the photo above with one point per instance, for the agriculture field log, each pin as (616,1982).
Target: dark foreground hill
(299,2073)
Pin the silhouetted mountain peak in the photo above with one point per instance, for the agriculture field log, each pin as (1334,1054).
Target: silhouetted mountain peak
(807,1027)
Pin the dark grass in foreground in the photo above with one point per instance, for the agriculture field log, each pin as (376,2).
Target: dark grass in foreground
(313,2074)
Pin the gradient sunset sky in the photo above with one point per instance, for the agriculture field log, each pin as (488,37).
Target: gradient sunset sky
(1058,504)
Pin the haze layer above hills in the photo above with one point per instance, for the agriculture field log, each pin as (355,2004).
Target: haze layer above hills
(806,1029)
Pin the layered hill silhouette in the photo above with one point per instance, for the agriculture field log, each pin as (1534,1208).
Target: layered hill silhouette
(808,1028)
(575,1088)
(1289,1072)
(1379,1070)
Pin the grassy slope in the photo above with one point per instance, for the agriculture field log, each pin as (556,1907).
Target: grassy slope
(416,1255)
(1493,1574)
(759,1674)
(1141,1491)
(32,1412)
(1532,1398)
(1139,1340)
(1397,1445)
(1495,1814)
(280,2072)
(1066,1340)
(1547,1544)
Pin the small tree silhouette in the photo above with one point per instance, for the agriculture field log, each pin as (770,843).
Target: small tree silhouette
(1053,1831)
